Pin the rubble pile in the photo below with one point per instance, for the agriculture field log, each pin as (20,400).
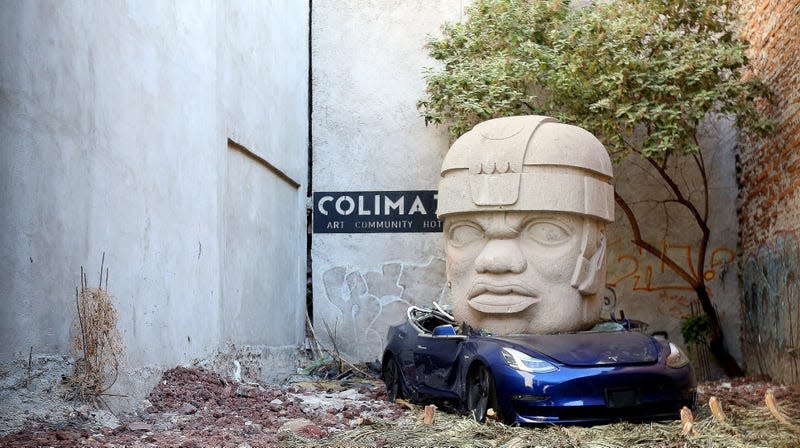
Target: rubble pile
(193,407)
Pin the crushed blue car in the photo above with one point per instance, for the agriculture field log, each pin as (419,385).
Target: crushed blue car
(607,374)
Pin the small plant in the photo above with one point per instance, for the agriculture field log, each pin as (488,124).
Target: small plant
(96,341)
(696,329)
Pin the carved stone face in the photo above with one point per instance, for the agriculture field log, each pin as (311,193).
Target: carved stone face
(513,272)
(524,202)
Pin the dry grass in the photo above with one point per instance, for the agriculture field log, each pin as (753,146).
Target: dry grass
(96,341)
(744,426)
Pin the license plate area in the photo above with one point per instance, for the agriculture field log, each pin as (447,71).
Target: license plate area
(622,397)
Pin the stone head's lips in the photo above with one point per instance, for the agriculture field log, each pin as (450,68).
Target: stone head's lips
(501,299)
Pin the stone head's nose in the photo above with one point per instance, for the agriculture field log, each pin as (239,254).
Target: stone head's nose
(500,256)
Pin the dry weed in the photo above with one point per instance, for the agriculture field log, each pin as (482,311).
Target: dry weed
(745,426)
(96,341)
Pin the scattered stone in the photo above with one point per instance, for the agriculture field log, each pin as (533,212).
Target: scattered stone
(140,426)
(246,391)
(310,403)
(67,435)
(312,430)
(187,409)
(350,394)
(295,425)
(252,428)
(329,419)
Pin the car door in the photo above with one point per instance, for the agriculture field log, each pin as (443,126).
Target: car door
(435,359)
(408,342)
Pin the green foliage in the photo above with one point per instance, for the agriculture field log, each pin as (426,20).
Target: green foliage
(491,62)
(639,74)
(696,329)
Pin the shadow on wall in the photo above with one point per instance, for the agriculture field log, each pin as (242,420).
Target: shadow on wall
(772,310)
(364,304)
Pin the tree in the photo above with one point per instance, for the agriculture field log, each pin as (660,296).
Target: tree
(642,75)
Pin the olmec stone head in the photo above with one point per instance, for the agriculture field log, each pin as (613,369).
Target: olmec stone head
(524,202)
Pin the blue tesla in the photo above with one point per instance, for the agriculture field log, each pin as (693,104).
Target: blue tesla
(609,373)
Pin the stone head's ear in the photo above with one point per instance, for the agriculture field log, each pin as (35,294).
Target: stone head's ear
(588,276)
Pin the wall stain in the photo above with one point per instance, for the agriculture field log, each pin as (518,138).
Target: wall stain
(771,309)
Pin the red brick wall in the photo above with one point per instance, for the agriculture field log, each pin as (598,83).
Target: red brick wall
(770,170)
(769,198)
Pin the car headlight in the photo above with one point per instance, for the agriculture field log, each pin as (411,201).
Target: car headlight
(520,361)
(676,358)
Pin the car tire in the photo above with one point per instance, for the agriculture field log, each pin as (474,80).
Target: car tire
(391,376)
(480,392)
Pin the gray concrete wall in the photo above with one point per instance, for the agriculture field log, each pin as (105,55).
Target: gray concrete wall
(264,284)
(115,138)
(368,60)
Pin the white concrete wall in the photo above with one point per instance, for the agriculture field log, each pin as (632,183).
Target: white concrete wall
(263,85)
(265,243)
(368,62)
(115,128)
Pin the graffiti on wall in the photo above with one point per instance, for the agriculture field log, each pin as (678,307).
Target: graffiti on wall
(649,290)
(647,273)
(772,309)
(363,304)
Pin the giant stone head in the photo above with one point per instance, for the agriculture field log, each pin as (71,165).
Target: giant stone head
(524,202)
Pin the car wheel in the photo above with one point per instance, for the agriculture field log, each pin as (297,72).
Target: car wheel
(480,392)
(391,376)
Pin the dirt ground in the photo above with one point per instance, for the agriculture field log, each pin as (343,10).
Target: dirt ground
(192,407)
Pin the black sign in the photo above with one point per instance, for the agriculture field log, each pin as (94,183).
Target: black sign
(376,212)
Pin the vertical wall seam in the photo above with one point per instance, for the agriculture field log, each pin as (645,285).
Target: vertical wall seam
(309,181)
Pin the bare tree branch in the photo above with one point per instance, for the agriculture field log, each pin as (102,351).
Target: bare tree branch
(658,253)
(701,221)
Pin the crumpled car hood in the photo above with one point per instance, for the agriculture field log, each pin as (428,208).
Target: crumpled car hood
(591,348)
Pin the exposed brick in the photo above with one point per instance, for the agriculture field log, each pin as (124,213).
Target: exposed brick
(769,198)
(769,201)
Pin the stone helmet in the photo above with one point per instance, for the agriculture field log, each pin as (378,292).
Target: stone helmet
(527,163)
(535,164)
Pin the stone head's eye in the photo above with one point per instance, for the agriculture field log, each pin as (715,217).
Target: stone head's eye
(463,234)
(547,233)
